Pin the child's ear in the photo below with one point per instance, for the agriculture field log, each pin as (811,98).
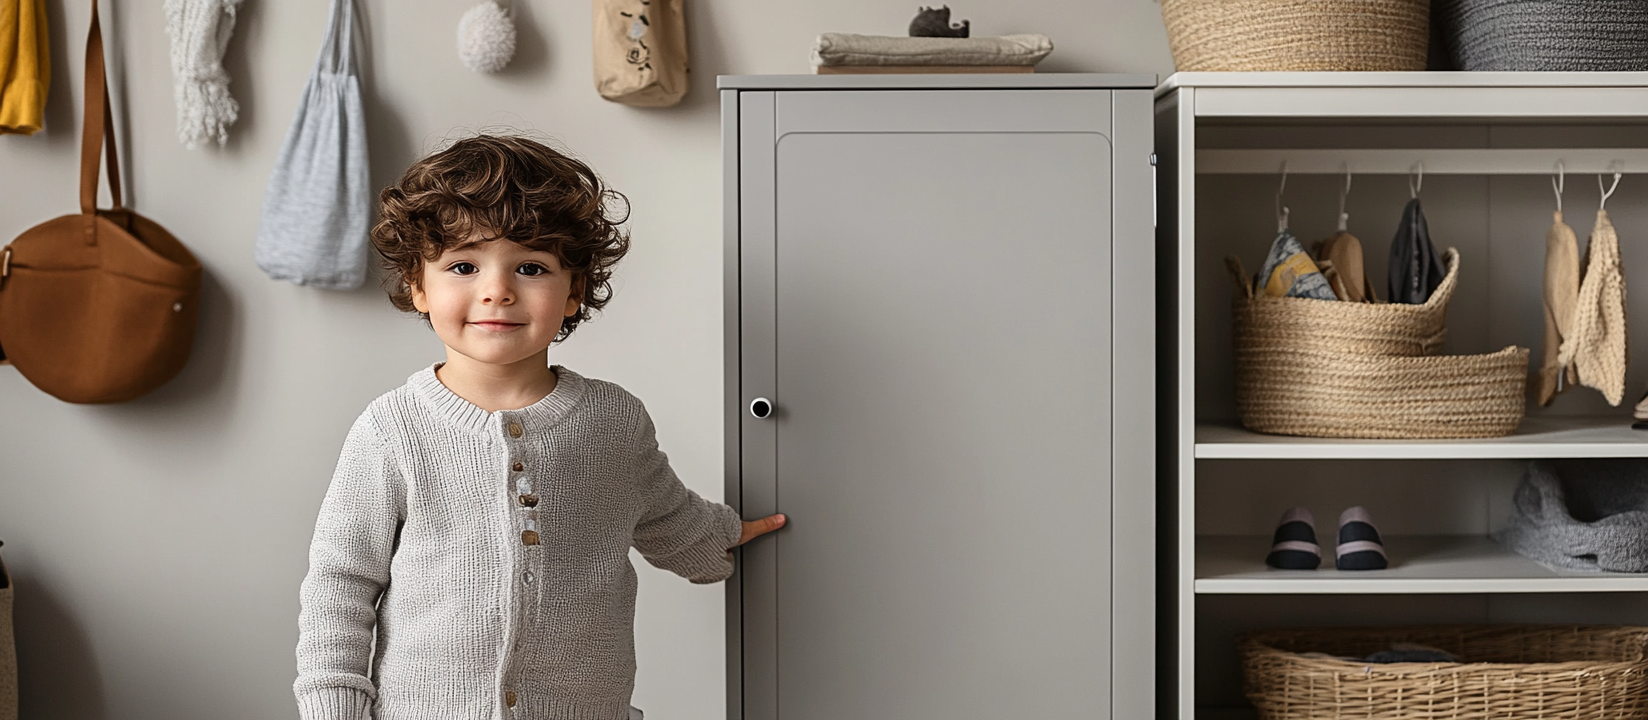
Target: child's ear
(575,299)
(420,302)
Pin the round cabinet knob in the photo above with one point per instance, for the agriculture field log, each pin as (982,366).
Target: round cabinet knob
(761,408)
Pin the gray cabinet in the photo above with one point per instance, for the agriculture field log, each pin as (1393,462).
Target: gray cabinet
(944,288)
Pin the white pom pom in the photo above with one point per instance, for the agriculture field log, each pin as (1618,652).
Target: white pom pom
(486,38)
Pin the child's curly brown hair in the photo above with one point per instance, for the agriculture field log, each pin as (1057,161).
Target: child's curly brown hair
(509,188)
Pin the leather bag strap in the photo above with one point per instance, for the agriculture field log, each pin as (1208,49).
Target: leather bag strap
(98,125)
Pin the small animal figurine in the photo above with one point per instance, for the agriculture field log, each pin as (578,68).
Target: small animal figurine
(930,22)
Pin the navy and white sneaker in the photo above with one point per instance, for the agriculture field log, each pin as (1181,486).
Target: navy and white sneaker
(1359,545)
(1294,545)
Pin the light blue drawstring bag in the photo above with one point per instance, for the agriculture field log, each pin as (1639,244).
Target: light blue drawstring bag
(317,206)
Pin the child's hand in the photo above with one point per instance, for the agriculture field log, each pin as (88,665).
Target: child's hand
(756,528)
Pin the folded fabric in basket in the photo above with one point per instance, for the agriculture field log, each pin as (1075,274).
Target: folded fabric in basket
(832,49)
(1594,520)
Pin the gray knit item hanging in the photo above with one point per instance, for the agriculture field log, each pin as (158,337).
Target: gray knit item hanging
(318,204)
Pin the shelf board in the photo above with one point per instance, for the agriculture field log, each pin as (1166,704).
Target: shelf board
(1538,437)
(1433,161)
(1459,564)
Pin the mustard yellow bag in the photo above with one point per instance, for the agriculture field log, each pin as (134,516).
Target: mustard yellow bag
(640,52)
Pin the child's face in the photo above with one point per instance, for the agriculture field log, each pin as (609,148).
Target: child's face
(497,302)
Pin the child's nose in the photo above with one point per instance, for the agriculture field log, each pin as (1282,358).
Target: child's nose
(498,292)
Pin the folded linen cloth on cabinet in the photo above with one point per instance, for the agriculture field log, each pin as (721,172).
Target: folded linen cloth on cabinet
(849,49)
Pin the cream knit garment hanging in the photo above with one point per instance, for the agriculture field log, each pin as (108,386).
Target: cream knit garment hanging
(1561,298)
(200,30)
(1597,345)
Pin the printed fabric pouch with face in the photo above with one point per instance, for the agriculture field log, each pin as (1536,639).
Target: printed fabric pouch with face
(640,52)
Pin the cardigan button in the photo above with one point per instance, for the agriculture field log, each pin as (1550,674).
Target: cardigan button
(529,537)
(509,698)
(529,500)
(514,430)
(517,467)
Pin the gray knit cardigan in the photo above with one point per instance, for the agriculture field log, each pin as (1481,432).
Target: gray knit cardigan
(469,565)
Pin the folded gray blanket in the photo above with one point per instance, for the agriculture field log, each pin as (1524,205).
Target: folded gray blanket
(848,49)
(1595,520)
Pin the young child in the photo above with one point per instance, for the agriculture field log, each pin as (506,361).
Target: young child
(471,559)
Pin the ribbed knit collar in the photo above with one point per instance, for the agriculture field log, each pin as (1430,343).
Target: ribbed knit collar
(560,402)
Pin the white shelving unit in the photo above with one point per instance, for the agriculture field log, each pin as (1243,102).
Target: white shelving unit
(1487,142)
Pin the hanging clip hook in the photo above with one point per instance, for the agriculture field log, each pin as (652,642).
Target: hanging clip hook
(1557,183)
(1610,191)
(1414,186)
(1281,210)
(1344,217)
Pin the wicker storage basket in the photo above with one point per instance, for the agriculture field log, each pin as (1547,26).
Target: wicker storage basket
(1545,35)
(1510,672)
(1343,327)
(1296,35)
(1355,370)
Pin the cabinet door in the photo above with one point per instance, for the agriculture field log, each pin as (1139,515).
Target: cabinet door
(925,298)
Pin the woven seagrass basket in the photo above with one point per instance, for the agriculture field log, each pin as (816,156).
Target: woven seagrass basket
(1542,35)
(1323,368)
(1508,672)
(1297,35)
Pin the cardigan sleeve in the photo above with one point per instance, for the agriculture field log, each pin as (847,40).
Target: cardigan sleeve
(355,536)
(680,531)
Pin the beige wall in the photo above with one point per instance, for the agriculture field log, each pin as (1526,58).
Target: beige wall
(158,545)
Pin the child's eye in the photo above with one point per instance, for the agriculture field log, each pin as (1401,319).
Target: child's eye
(463,268)
(531,269)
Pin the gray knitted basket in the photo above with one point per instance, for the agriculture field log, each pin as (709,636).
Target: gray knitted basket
(1546,35)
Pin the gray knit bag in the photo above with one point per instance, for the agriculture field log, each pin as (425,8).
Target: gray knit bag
(317,206)
(1545,35)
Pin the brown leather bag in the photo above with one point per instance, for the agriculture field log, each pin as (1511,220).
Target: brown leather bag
(100,306)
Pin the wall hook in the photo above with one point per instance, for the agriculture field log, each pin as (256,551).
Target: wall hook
(1557,184)
(1608,192)
(1281,210)
(1344,217)
(1415,185)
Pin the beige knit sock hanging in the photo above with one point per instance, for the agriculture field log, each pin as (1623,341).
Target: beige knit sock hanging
(1561,298)
(1597,347)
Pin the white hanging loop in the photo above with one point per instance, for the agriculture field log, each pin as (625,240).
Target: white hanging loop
(1558,182)
(1344,217)
(1415,185)
(1608,192)
(1281,210)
